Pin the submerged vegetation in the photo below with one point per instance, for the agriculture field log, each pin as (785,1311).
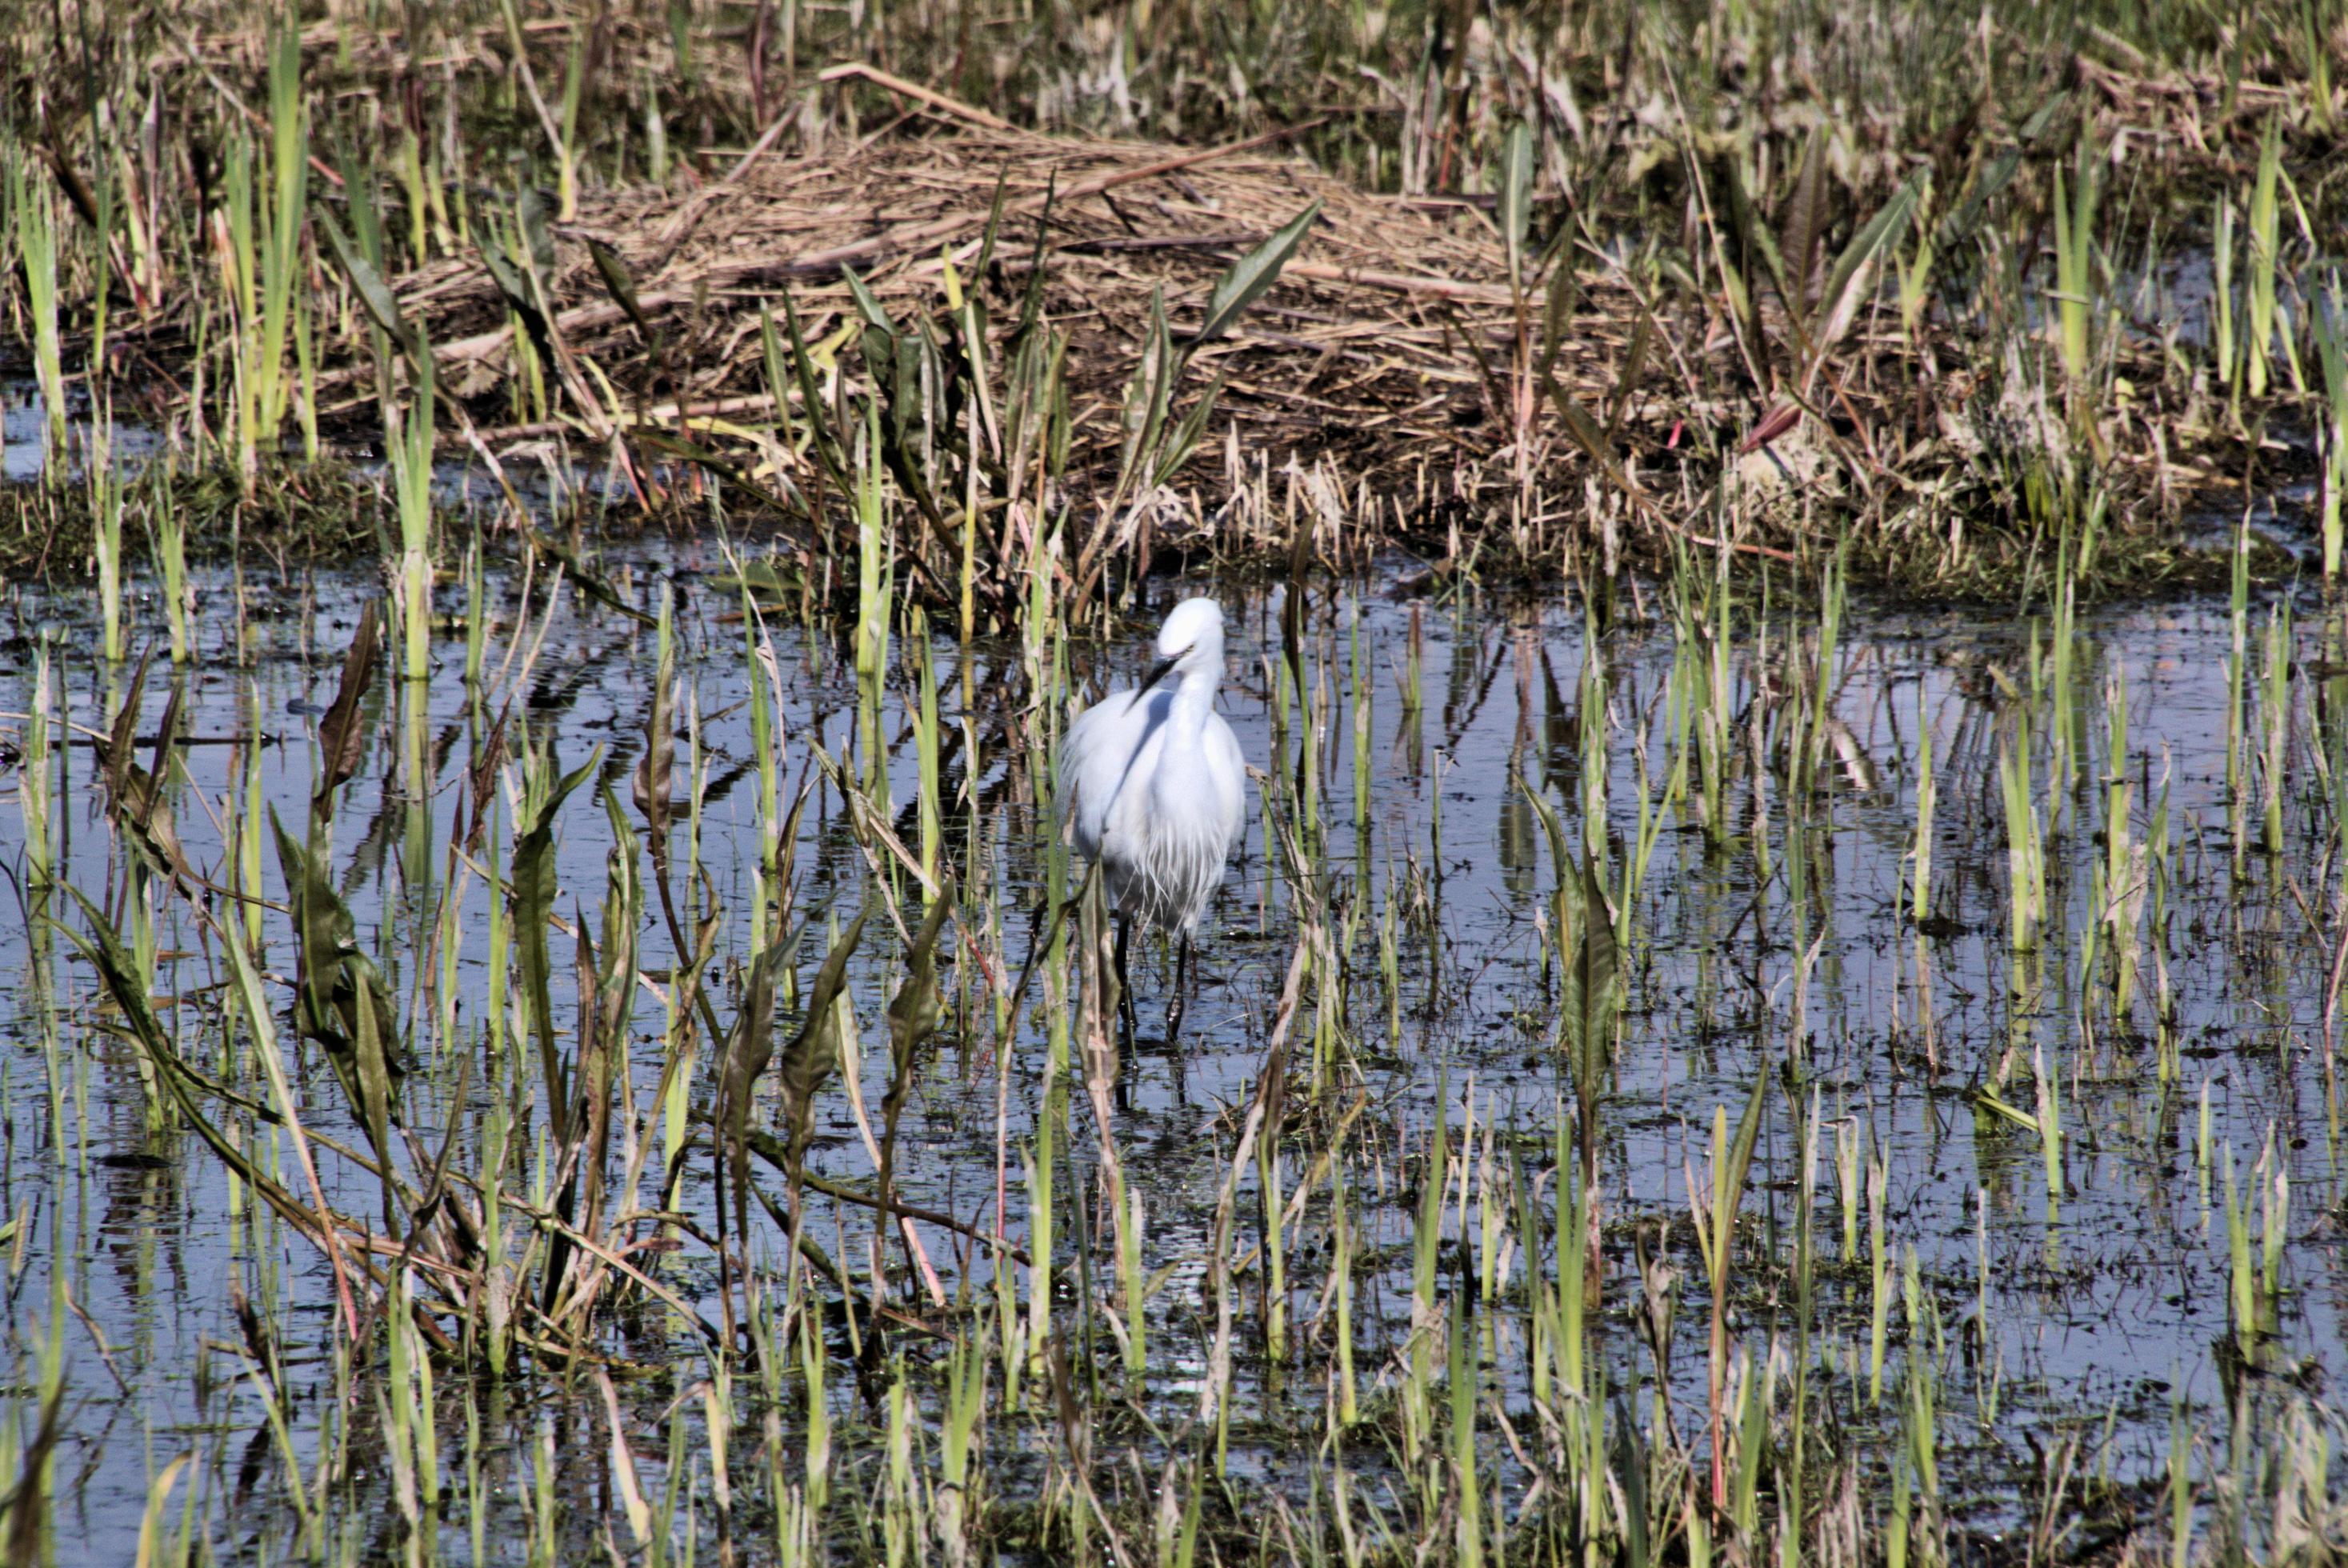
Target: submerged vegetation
(547,1019)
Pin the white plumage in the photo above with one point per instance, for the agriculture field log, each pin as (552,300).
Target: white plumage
(1154,785)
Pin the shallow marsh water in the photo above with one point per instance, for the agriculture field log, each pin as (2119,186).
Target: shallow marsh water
(1778,943)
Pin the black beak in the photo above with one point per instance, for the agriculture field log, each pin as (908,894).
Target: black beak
(1159,671)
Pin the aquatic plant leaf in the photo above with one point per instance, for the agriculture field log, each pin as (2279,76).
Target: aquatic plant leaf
(122,741)
(1558,300)
(1804,223)
(1516,192)
(136,800)
(518,295)
(373,1025)
(813,1053)
(368,282)
(529,214)
(1252,274)
(1751,236)
(480,780)
(535,882)
(623,903)
(613,271)
(913,1011)
(1728,1182)
(103,947)
(1634,365)
(1586,435)
(993,227)
(1186,435)
(167,735)
(652,781)
(877,325)
(340,741)
(1963,218)
(1589,994)
(1847,286)
(822,441)
(341,999)
(1146,395)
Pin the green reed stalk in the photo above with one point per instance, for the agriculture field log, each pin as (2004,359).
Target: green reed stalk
(167,538)
(815,1445)
(34,774)
(2243,1286)
(927,746)
(1752,1399)
(2330,328)
(289,161)
(2221,290)
(1426,1240)
(1133,1283)
(1595,758)
(1927,795)
(2074,241)
(2180,1481)
(2274,1224)
(1851,1134)
(2238,659)
(408,162)
(1879,1280)
(1468,1537)
(2265,226)
(2050,1131)
(1269,1196)
(2277,725)
(1038,1160)
(2124,864)
(408,434)
(105,529)
(1341,1269)
(2025,857)
(1715,1229)
(1363,730)
(37,250)
(965,1411)
(243,264)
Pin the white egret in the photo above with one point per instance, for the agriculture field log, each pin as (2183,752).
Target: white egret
(1153,782)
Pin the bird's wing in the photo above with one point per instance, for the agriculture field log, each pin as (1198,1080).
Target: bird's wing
(1084,786)
(1229,767)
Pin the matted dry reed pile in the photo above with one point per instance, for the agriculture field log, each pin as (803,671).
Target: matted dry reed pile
(1382,346)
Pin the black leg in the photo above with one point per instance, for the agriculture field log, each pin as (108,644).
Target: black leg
(1123,984)
(1174,1003)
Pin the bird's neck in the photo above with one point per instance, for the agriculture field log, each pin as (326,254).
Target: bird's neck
(1194,699)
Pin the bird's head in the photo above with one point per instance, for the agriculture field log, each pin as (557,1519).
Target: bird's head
(1191,638)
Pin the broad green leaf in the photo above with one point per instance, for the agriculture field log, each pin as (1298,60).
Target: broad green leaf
(866,306)
(536,886)
(1186,437)
(1252,274)
(373,291)
(529,211)
(1848,284)
(811,1057)
(622,287)
(1805,222)
(341,740)
(1515,193)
